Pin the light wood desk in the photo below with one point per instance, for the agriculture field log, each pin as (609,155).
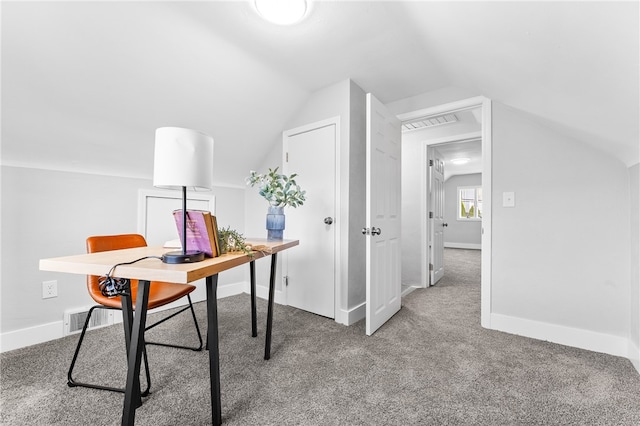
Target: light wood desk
(149,270)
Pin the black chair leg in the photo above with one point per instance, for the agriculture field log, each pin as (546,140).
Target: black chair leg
(195,321)
(71,382)
(146,371)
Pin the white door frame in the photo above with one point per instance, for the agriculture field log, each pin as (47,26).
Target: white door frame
(486,135)
(337,219)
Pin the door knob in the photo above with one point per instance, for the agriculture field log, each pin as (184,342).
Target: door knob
(375,231)
(445,224)
(366,231)
(328,220)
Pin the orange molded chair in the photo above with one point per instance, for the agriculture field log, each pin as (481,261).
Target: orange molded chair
(160,294)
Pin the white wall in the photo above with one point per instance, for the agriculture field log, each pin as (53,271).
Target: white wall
(634,208)
(561,256)
(50,214)
(560,271)
(430,99)
(356,274)
(413,187)
(255,223)
(322,104)
(345,100)
(460,233)
(413,191)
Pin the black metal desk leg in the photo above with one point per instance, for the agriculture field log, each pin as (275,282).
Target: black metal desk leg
(254,318)
(132,392)
(214,355)
(272,290)
(127,321)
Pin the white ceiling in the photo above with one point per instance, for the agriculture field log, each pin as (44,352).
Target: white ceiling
(85,84)
(464,149)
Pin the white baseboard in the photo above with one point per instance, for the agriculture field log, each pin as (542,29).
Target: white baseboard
(263,293)
(55,330)
(463,246)
(229,290)
(569,336)
(351,316)
(634,355)
(30,336)
(357,313)
(409,289)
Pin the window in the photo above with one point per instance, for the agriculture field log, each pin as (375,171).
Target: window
(470,203)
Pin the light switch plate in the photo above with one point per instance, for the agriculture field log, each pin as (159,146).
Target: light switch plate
(508,199)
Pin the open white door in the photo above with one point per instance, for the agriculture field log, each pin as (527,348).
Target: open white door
(383,215)
(436,216)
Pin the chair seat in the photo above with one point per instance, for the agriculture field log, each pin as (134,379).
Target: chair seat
(160,293)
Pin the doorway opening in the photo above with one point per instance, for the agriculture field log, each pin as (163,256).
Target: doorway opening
(471,124)
(453,200)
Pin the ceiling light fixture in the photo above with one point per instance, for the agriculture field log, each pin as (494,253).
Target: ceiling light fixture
(282,12)
(460,161)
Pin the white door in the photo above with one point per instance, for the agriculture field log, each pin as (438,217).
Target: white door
(436,216)
(310,152)
(383,215)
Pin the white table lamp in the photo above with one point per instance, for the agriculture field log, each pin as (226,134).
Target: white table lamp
(183,159)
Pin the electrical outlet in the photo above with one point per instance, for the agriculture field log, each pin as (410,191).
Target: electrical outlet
(49,289)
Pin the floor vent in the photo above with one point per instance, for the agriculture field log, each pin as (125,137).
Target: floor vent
(74,320)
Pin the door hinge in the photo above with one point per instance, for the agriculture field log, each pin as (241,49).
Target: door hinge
(431,163)
(430,215)
(287,157)
(285,281)
(431,266)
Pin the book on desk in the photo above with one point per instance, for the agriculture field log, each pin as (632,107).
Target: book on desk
(202,231)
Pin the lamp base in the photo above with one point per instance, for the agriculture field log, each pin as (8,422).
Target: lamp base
(179,257)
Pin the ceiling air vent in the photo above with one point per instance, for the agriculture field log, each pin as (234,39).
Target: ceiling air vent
(424,123)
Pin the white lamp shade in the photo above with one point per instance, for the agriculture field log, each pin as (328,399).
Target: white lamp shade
(183,157)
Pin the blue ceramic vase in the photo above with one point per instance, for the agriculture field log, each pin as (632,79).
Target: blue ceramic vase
(275,223)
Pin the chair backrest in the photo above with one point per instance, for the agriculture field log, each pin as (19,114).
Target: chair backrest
(100,243)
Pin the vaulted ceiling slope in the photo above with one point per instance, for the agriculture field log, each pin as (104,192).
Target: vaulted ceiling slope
(85,84)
